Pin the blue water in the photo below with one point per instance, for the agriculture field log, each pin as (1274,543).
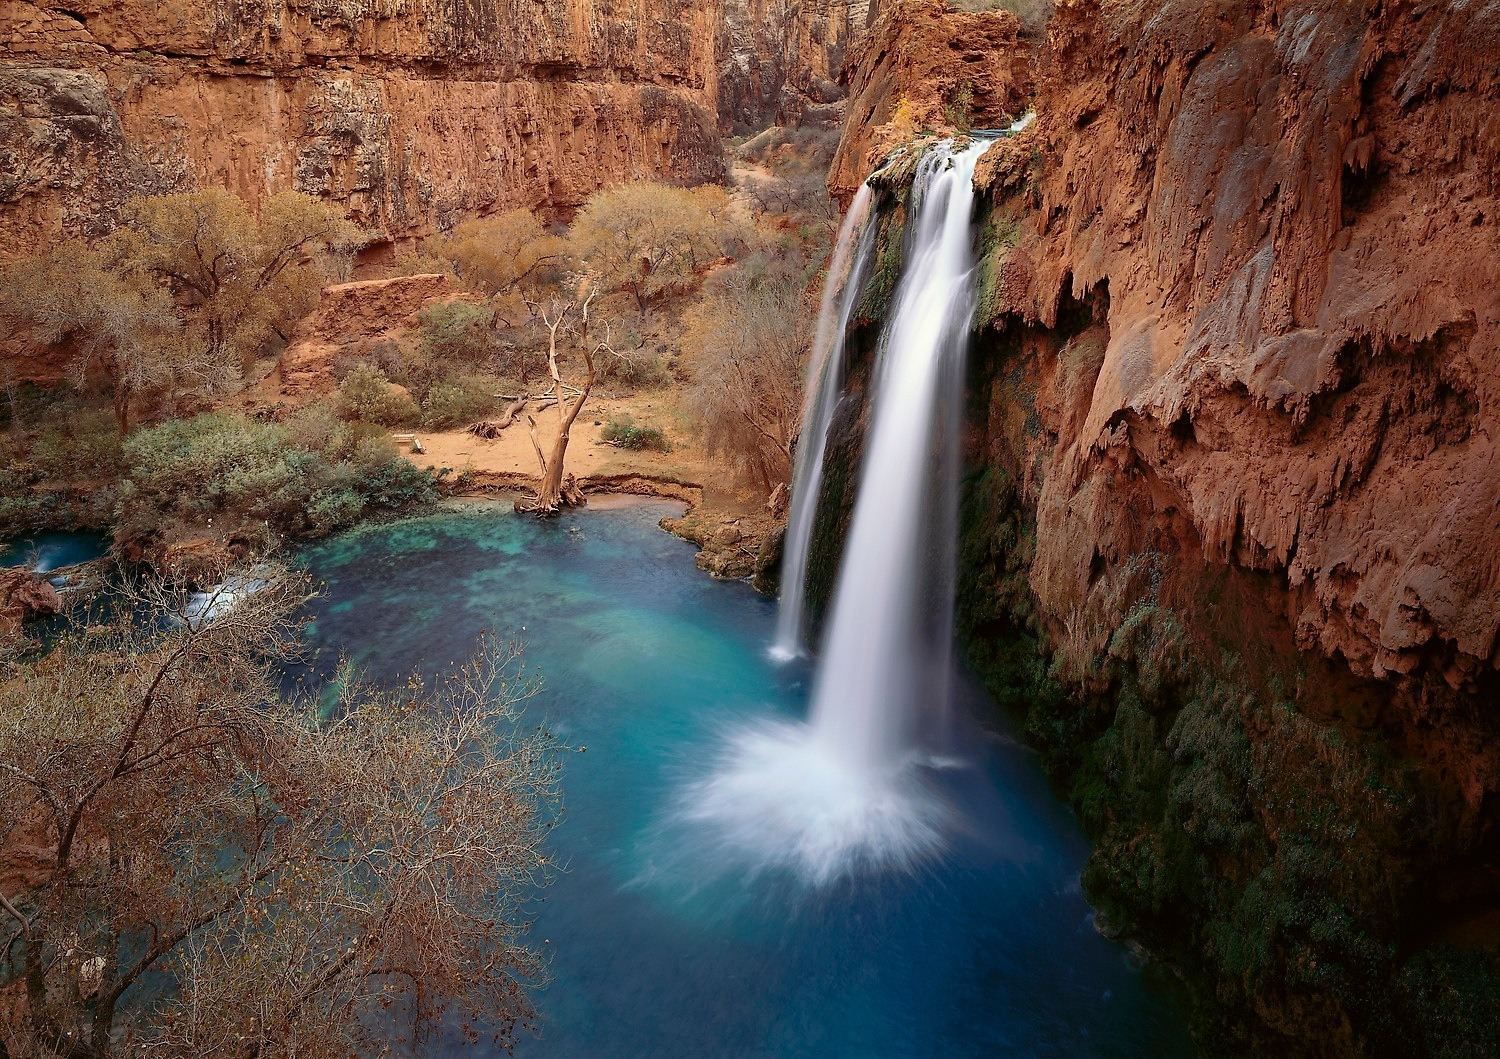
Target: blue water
(655,949)
(49,551)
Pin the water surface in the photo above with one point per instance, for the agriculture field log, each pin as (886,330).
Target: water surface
(657,947)
(46,552)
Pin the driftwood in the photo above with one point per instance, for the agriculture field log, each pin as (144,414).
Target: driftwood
(490,429)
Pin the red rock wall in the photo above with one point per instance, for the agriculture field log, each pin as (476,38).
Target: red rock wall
(412,112)
(780,62)
(1292,210)
(925,67)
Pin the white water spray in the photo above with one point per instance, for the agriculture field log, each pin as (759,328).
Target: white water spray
(846,276)
(848,791)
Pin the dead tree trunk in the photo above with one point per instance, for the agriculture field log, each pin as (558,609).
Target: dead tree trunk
(558,488)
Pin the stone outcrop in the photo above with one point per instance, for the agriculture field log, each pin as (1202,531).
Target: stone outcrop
(924,67)
(24,596)
(413,113)
(1287,216)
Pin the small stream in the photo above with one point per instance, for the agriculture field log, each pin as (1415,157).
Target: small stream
(659,946)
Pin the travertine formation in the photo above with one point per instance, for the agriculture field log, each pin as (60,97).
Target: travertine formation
(1287,214)
(923,67)
(1233,533)
(414,113)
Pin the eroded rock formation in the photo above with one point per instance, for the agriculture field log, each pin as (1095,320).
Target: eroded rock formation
(1233,535)
(923,66)
(780,62)
(414,113)
(362,321)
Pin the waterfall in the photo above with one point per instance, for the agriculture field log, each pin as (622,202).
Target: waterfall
(846,276)
(849,790)
(887,652)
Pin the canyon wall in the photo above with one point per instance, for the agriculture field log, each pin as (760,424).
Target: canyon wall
(780,61)
(1232,533)
(924,67)
(412,113)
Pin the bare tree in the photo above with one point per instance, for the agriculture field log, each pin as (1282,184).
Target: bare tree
(569,321)
(746,345)
(216,869)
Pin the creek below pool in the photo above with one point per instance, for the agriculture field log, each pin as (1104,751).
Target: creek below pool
(657,949)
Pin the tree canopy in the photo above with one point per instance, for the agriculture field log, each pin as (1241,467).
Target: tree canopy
(220,868)
(650,240)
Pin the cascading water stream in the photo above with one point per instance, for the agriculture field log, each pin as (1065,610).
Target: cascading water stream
(887,652)
(848,790)
(846,276)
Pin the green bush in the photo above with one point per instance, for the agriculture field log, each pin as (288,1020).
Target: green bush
(308,477)
(85,448)
(625,432)
(458,402)
(456,332)
(367,394)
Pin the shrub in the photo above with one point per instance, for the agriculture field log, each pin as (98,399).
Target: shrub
(367,394)
(625,432)
(458,403)
(499,255)
(85,448)
(456,332)
(650,240)
(310,477)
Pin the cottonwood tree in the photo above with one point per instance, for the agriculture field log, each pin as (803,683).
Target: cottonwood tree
(650,240)
(240,276)
(201,865)
(568,323)
(746,345)
(119,328)
(510,257)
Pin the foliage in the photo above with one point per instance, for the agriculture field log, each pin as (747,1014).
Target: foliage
(85,448)
(458,402)
(180,294)
(625,432)
(650,240)
(238,273)
(747,345)
(121,326)
(456,331)
(300,479)
(366,394)
(509,253)
(1271,852)
(233,870)
(798,160)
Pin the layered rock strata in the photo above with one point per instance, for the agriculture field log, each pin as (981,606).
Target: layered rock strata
(412,113)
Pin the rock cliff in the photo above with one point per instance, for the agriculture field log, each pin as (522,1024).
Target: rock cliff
(412,112)
(925,67)
(1232,537)
(780,63)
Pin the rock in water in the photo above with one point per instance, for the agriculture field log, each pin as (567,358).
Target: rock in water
(24,596)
